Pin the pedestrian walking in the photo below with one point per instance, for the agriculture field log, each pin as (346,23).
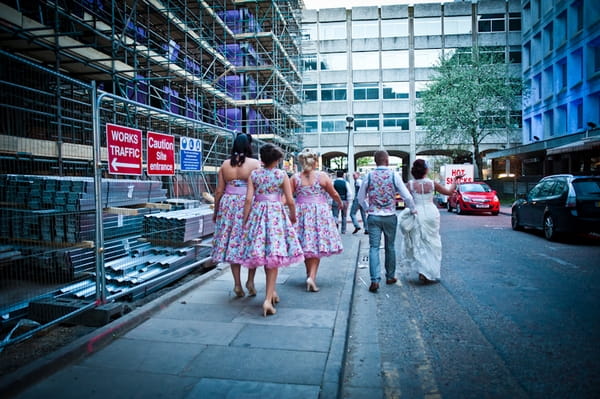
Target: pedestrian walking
(317,232)
(356,207)
(422,241)
(270,238)
(345,192)
(378,196)
(230,195)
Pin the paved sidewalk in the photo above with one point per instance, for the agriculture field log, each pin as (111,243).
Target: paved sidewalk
(201,341)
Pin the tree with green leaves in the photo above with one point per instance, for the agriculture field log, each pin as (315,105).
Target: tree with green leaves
(470,98)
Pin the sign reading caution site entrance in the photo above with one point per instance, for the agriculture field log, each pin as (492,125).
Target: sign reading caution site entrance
(161,154)
(124,147)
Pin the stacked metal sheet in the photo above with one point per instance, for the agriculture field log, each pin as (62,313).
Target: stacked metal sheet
(179,226)
(62,209)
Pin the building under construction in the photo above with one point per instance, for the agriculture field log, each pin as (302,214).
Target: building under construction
(192,71)
(229,64)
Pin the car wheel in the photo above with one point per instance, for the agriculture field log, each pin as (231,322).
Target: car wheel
(514,221)
(448,206)
(495,213)
(459,210)
(550,228)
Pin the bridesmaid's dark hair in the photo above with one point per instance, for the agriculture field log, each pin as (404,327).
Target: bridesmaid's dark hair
(270,153)
(242,149)
(419,169)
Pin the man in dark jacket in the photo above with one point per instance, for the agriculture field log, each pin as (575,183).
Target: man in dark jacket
(344,189)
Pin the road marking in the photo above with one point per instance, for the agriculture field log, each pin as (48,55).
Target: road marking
(559,261)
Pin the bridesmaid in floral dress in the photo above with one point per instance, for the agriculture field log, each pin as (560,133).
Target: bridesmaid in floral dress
(316,227)
(229,207)
(269,235)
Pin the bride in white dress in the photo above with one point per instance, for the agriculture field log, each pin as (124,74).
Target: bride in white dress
(422,242)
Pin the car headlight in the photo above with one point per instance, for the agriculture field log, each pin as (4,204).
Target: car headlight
(466,198)
(496,199)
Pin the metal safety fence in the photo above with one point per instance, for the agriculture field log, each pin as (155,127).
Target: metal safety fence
(102,198)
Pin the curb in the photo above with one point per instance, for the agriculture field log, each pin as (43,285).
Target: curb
(13,383)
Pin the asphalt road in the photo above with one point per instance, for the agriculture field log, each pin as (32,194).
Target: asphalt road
(515,316)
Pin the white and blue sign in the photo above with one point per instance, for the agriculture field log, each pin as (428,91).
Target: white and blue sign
(190,154)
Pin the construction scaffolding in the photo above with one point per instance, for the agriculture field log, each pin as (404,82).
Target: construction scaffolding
(200,70)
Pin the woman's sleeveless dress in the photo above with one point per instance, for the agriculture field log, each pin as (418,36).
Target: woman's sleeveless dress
(227,238)
(270,238)
(316,228)
(423,244)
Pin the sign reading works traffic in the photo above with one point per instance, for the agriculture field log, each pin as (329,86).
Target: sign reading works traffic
(161,154)
(124,147)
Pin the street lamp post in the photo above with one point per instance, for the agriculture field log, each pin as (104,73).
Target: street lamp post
(350,157)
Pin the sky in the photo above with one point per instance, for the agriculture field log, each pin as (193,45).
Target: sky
(316,4)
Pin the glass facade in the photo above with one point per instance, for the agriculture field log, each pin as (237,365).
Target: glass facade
(365,60)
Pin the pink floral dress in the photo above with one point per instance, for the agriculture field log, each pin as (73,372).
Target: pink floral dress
(270,238)
(316,227)
(227,238)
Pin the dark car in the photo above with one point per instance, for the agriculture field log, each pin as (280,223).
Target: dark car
(475,197)
(560,204)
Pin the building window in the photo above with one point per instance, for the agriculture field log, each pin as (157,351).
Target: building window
(560,30)
(311,126)
(527,54)
(561,120)
(464,55)
(366,91)
(547,82)
(394,59)
(457,25)
(527,130)
(576,19)
(365,60)
(536,49)
(576,115)
(575,67)
(514,55)
(310,93)
(428,26)
(516,119)
(334,62)
(333,92)
(366,122)
(421,121)
(365,29)
(394,28)
(548,40)
(309,32)
(514,22)
(594,56)
(536,87)
(548,123)
(493,55)
(491,23)
(395,121)
(332,30)
(309,62)
(395,90)
(420,87)
(331,124)
(427,58)
(560,75)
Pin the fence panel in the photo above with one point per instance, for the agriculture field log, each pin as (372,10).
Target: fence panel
(152,226)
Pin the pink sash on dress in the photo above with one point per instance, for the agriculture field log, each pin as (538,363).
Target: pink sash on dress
(268,197)
(311,199)
(236,190)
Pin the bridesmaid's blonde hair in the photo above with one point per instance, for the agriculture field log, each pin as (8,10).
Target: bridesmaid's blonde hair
(308,159)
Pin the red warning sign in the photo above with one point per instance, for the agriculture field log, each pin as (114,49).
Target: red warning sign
(124,146)
(161,154)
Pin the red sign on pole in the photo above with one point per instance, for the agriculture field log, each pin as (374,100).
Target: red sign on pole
(161,154)
(124,147)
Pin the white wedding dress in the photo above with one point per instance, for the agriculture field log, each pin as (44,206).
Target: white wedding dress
(422,242)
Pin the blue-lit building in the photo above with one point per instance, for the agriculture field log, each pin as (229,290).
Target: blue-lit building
(561,108)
